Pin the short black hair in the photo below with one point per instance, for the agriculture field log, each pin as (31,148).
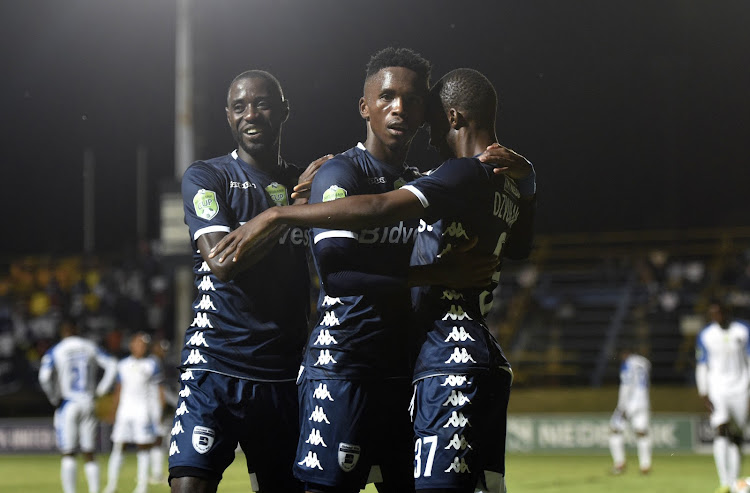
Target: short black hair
(399,57)
(257,74)
(468,90)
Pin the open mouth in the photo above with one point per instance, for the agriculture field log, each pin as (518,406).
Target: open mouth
(251,131)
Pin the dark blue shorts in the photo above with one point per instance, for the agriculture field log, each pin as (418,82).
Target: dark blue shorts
(349,428)
(216,412)
(459,423)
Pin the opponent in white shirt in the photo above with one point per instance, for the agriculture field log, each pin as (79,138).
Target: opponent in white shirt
(134,421)
(68,376)
(722,375)
(633,409)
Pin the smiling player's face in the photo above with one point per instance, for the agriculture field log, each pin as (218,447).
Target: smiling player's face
(255,113)
(394,105)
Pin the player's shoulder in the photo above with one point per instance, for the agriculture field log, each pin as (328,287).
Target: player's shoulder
(216,166)
(346,163)
(744,324)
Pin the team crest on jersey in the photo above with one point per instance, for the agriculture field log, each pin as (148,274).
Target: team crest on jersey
(348,456)
(203,439)
(205,204)
(334,192)
(277,192)
(399,183)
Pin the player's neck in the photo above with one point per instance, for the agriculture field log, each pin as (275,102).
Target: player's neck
(471,142)
(381,152)
(267,161)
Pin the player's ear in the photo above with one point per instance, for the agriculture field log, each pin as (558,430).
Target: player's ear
(229,121)
(285,110)
(364,111)
(456,119)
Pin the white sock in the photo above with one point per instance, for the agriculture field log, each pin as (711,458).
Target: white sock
(734,462)
(617,448)
(91,469)
(143,459)
(644,451)
(68,468)
(113,467)
(157,462)
(721,446)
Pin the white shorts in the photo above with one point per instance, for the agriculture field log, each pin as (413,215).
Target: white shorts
(729,408)
(134,429)
(75,425)
(639,421)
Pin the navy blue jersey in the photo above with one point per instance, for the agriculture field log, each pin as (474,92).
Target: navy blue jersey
(462,199)
(365,333)
(253,326)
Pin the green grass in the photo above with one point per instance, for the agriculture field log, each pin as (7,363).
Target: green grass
(526,474)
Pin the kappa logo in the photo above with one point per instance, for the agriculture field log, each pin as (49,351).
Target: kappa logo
(315,438)
(458,334)
(177,428)
(348,456)
(319,416)
(201,320)
(328,301)
(186,375)
(206,284)
(182,409)
(454,380)
(205,204)
(197,339)
(194,358)
(321,392)
(329,319)
(184,392)
(458,443)
(311,461)
(456,230)
(325,338)
(325,358)
(334,192)
(203,439)
(456,313)
(460,356)
(457,398)
(205,303)
(173,449)
(457,420)
(451,295)
(458,466)
(204,267)
(374,180)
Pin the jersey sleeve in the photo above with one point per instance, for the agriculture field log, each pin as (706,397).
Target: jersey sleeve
(701,366)
(109,365)
(336,179)
(204,201)
(343,270)
(46,378)
(447,190)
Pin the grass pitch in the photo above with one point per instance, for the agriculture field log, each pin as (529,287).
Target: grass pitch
(526,474)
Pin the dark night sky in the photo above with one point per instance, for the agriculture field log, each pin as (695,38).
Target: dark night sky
(636,114)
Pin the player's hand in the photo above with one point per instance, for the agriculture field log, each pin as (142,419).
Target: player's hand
(506,161)
(464,268)
(301,191)
(708,404)
(251,238)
